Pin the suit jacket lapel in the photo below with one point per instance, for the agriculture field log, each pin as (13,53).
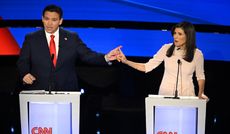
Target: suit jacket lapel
(62,39)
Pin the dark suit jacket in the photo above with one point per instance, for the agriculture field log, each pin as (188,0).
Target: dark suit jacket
(35,59)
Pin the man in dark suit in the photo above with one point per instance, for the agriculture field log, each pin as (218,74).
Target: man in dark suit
(36,68)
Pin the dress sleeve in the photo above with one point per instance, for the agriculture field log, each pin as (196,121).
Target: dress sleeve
(199,61)
(157,59)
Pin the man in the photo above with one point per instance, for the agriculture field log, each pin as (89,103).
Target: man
(42,67)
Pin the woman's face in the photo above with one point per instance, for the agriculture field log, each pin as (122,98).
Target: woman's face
(179,37)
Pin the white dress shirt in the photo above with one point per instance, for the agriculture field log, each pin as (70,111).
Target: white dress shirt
(56,40)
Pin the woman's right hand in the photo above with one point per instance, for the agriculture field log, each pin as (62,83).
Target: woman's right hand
(121,57)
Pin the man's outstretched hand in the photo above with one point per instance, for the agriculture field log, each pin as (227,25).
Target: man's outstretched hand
(113,54)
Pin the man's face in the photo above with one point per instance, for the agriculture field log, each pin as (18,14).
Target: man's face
(51,21)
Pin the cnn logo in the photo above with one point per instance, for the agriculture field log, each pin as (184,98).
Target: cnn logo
(40,130)
(164,132)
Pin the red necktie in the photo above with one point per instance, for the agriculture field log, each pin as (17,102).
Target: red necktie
(53,50)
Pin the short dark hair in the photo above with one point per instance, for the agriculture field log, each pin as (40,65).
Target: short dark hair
(53,8)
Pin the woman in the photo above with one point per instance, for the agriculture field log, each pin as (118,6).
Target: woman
(181,59)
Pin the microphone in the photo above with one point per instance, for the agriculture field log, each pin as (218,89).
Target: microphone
(176,91)
(178,70)
(51,74)
(52,57)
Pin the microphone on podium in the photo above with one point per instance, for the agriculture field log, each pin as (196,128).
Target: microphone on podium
(176,90)
(51,74)
(178,70)
(52,57)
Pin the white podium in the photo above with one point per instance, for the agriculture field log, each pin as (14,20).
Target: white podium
(175,116)
(55,113)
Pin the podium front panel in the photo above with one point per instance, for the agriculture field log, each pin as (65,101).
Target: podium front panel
(55,113)
(175,116)
(175,120)
(54,117)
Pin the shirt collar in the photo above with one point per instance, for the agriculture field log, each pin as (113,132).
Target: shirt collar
(55,33)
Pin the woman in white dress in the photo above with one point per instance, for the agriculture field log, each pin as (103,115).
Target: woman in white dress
(181,59)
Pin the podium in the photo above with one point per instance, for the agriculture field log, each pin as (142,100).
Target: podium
(175,116)
(55,113)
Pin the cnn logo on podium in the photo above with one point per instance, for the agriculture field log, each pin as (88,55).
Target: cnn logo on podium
(41,130)
(164,132)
